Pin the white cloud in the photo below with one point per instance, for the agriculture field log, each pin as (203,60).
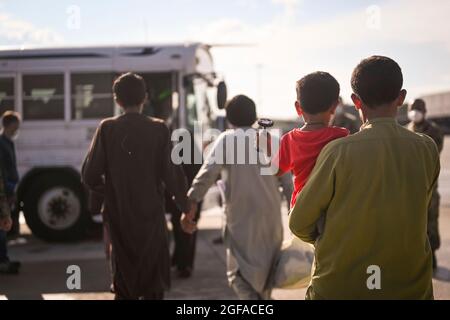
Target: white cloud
(400,21)
(24,32)
(252,4)
(290,8)
(288,49)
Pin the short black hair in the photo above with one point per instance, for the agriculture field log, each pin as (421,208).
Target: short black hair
(241,111)
(419,105)
(317,92)
(377,81)
(130,90)
(10,117)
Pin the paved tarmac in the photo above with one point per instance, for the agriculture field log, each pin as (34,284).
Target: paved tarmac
(44,264)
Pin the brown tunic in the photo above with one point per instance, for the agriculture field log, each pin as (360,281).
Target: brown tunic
(129,161)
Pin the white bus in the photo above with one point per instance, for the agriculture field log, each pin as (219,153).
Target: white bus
(63,94)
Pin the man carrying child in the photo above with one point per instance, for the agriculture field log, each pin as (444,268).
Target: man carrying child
(372,190)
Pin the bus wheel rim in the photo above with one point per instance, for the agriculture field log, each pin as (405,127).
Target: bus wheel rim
(59,208)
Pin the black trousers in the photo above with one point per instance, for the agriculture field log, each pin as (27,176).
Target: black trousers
(185,244)
(15,213)
(183,256)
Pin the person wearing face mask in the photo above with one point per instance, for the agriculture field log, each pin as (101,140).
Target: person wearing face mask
(419,123)
(11,123)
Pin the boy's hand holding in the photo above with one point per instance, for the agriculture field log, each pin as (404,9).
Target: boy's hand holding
(6,224)
(188,223)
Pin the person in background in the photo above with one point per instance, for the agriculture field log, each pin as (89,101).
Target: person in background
(11,123)
(130,157)
(185,244)
(345,119)
(419,123)
(6,266)
(183,257)
(372,190)
(253,231)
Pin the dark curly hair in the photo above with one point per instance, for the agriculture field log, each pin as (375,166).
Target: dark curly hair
(130,90)
(241,111)
(317,92)
(10,117)
(377,81)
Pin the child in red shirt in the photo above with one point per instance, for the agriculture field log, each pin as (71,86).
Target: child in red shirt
(317,100)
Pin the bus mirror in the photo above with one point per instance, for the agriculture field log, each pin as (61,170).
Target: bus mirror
(221,95)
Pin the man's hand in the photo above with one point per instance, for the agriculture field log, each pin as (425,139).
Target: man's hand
(6,224)
(188,223)
(189,226)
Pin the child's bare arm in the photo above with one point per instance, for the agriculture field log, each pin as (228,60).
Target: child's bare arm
(314,200)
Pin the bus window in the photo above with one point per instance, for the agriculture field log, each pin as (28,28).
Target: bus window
(6,94)
(43,97)
(92,96)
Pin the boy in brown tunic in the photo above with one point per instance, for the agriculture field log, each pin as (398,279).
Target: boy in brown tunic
(129,161)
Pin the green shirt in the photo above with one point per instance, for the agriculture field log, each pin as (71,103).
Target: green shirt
(373,190)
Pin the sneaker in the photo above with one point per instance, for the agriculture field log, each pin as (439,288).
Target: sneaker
(10,267)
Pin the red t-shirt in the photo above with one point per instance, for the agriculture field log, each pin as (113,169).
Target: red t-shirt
(299,151)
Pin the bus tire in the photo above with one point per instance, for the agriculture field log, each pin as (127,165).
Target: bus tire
(55,208)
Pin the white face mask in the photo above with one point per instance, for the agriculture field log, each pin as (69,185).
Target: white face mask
(416,116)
(15,136)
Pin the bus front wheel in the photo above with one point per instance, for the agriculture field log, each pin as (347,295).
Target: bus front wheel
(55,209)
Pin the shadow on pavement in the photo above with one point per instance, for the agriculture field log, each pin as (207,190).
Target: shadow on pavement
(45,276)
(50,277)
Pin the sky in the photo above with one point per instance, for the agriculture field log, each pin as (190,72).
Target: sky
(269,44)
